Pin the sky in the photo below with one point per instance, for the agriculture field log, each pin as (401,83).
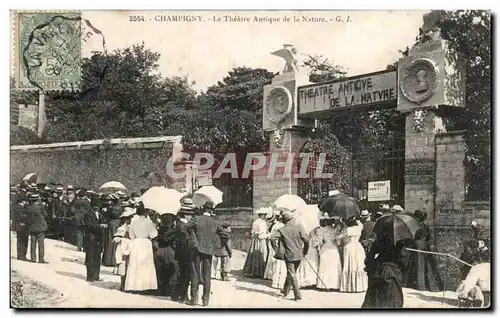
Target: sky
(204,51)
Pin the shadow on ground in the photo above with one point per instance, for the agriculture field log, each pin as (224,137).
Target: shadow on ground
(445,300)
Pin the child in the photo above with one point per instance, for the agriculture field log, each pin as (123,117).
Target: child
(122,239)
(222,253)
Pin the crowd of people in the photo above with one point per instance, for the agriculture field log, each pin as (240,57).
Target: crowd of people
(346,256)
(167,253)
(161,254)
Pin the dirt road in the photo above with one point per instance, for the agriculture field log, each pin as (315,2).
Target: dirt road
(65,273)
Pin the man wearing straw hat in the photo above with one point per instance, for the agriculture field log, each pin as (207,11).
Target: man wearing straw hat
(296,244)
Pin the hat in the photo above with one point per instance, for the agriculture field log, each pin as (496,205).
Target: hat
(135,195)
(263,211)
(473,223)
(128,211)
(385,207)
(397,208)
(379,214)
(33,185)
(271,216)
(286,216)
(33,196)
(13,189)
(120,193)
(187,205)
(333,192)
(209,205)
(419,215)
(59,189)
(69,187)
(365,214)
(325,216)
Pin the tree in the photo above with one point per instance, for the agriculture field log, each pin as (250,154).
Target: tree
(130,99)
(241,89)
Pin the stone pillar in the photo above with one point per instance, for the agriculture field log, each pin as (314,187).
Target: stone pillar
(267,188)
(420,158)
(288,132)
(431,77)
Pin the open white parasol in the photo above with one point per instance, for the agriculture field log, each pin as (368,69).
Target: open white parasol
(162,200)
(290,202)
(206,194)
(112,186)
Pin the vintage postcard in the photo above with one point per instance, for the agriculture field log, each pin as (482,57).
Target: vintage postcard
(250,159)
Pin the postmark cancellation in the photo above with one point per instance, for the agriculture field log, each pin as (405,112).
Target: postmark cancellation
(47,50)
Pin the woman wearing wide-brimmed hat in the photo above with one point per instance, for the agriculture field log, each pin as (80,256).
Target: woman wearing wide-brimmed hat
(255,263)
(141,271)
(330,267)
(275,268)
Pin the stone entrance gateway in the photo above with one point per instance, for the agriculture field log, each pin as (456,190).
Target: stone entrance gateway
(430,79)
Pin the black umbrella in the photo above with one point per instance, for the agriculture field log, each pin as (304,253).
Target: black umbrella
(398,226)
(340,205)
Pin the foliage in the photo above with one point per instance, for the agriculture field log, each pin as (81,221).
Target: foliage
(469,32)
(129,100)
(322,69)
(22,136)
(241,89)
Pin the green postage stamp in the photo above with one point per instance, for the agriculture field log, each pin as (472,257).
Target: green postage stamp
(48,50)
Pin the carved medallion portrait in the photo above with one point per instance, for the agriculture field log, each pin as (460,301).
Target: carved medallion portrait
(278,104)
(419,81)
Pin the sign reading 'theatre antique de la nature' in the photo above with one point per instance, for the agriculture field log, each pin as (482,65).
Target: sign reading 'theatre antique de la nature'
(364,90)
(379,191)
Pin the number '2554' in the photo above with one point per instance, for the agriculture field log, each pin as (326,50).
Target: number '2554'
(136,18)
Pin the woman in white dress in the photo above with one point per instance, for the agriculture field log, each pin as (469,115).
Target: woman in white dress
(354,278)
(255,263)
(272,220)
(276,269)
(308,217)
(330,267)
(141,271)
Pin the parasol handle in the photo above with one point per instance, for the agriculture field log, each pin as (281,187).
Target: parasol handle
(437,253)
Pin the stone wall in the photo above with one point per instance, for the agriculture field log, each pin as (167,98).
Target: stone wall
(450,179)
(91,163)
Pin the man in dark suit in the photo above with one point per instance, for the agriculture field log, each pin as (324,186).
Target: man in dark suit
(94,223)
(80,207)
(185,249)
(366,239)
(37,226)
(21,228)
(205,228)
(295,243)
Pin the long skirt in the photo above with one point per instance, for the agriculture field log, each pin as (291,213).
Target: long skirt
(255,263)
(330,268)
(279,274)
(270,266)
(109,249)
(141,271)
(384,287)
(306,273)
(354,277)
(425,273)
